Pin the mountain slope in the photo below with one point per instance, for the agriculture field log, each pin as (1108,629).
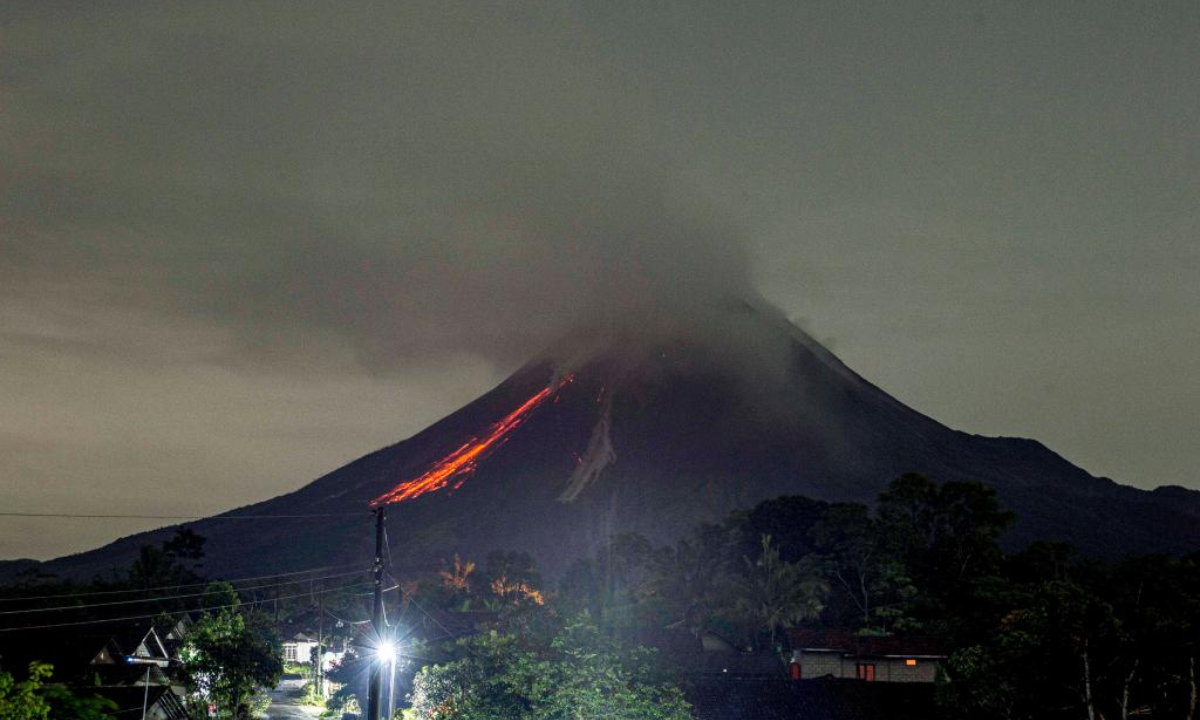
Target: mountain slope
(651,432)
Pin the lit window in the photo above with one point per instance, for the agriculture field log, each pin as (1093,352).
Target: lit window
(911,662)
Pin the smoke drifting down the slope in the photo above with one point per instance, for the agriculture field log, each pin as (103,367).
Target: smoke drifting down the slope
(739,343)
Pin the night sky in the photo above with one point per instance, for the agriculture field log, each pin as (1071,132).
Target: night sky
(244,244)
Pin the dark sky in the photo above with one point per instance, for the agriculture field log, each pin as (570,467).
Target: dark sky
(243,244)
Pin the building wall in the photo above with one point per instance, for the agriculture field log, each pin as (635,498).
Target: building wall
(815,665)
(897,671)
(158,712)
(303,650)
(819,664)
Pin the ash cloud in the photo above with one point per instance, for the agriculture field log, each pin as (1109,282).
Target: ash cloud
(438,180)
(213,216)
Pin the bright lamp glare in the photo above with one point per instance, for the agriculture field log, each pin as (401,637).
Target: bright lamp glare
(386,652)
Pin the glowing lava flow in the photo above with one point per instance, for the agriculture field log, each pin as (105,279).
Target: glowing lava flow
(464,460)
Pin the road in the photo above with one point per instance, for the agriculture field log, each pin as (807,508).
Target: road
(285,705)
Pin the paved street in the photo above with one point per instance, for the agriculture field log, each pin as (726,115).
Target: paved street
(285,705)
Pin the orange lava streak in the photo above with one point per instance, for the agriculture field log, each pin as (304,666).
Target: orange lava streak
(465,459)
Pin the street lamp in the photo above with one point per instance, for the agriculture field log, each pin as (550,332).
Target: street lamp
(148,662)
(385,654)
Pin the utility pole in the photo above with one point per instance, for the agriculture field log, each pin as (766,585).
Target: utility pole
(133,659)
(375,691)
(146,692)
(319,660)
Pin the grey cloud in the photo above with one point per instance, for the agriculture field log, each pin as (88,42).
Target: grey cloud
(992,208)
(430,182)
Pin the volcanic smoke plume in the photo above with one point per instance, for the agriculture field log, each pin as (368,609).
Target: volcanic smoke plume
(620,432)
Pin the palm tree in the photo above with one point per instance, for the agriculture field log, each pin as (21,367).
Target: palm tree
(774,594)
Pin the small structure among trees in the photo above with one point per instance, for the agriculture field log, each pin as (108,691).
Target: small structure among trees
(840,653)
(125,663)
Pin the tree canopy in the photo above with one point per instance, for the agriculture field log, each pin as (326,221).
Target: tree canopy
(229,654)
(35,699)
(582,674)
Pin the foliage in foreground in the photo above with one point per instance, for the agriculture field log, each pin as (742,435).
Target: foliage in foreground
(34,699)
(1087,641)
(340,705)
(580,675)
(229,654)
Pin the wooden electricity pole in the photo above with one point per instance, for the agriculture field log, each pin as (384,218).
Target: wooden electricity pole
(375,691)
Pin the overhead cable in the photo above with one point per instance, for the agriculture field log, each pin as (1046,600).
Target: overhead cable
(178,612)
(186,585)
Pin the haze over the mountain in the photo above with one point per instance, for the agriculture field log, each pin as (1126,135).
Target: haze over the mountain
(240,243)
(651,427)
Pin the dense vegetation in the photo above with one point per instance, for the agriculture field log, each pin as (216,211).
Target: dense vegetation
(228,655)
(1038,633)
(231,650)
(578,672)
(35,698)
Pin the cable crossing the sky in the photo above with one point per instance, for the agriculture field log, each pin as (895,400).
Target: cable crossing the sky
(134,601)
(180,612)
(90,593)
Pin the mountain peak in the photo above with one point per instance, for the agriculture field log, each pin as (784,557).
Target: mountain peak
(652,424)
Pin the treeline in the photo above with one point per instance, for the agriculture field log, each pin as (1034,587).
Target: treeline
(158,574)
(1039,633)
(911,565)
(224,654)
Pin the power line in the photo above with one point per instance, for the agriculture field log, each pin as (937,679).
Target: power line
(391,570)
(178,517)
(182,612)
(178,612)
(134,601)
(343,620)
(176,587)
(368,594)
(449,635)
(387,546)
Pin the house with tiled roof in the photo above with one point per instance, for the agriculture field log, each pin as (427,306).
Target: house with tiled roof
(134,664)
(841,653)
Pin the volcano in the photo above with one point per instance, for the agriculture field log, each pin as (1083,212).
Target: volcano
(652,431)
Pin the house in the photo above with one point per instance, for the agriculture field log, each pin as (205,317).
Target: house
(313,627)
(722,682)
(707,655)
(133,644)
(130,664)
(173,634)
(160,702)
(299,648)
(119,655)
(840,653)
